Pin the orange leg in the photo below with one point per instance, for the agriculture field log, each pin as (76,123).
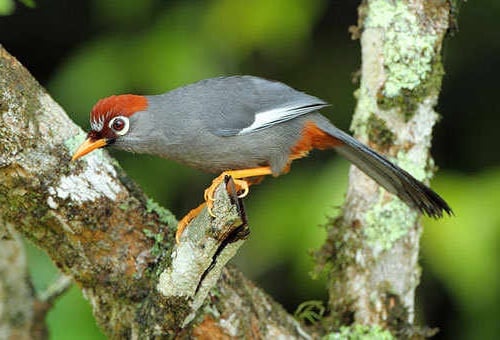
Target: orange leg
(185,221)
(238,178)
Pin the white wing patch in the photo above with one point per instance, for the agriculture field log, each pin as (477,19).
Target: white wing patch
(267,118)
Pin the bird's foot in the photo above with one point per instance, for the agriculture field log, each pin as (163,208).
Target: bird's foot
(209,195)
(241,186)
(242,179)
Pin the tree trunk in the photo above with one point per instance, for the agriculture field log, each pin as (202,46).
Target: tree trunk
(373,247)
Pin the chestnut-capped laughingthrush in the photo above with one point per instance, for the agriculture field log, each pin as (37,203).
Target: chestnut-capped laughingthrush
(242,126)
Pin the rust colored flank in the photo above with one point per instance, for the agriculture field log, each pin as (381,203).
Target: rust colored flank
(313,138)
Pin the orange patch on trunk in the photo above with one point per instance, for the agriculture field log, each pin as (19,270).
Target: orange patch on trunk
(313,138)
(209,329)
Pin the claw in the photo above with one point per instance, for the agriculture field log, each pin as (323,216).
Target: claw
(209,195)
(210,204)
(243,186)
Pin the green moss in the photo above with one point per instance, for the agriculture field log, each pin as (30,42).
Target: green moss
(73,142)
(378,132)
(161,247)
(164,215)
(20,205)
(210,310)
(124,206)
(408,50)
(408,100)
(158,245)
(385,223)
(339,250)
(360,332)
(412,67)
(419,171)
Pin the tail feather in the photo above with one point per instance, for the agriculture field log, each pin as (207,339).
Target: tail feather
(390,176)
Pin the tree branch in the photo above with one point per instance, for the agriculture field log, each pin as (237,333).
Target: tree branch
(17,302)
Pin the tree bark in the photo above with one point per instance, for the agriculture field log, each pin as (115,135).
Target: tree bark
(373,247)
(114,242)
(17,301)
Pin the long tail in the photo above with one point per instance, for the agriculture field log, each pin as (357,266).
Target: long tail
(390,176)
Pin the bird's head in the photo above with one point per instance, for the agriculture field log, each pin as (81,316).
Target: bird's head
(110,121)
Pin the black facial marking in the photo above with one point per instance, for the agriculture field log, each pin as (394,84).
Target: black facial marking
(94,135)
(108,136)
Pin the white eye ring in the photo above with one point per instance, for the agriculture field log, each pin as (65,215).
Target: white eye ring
(119,125)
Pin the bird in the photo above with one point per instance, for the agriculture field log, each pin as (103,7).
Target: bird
(245,127)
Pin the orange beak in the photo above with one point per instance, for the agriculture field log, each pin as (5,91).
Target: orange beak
(88,146)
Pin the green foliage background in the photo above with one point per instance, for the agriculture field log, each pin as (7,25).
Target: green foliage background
(151,46)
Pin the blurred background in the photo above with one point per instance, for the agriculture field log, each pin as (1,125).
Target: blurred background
(88,49)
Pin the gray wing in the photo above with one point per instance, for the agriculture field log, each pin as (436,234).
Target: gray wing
(239,105)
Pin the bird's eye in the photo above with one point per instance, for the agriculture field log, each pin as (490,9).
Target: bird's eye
(119,125)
